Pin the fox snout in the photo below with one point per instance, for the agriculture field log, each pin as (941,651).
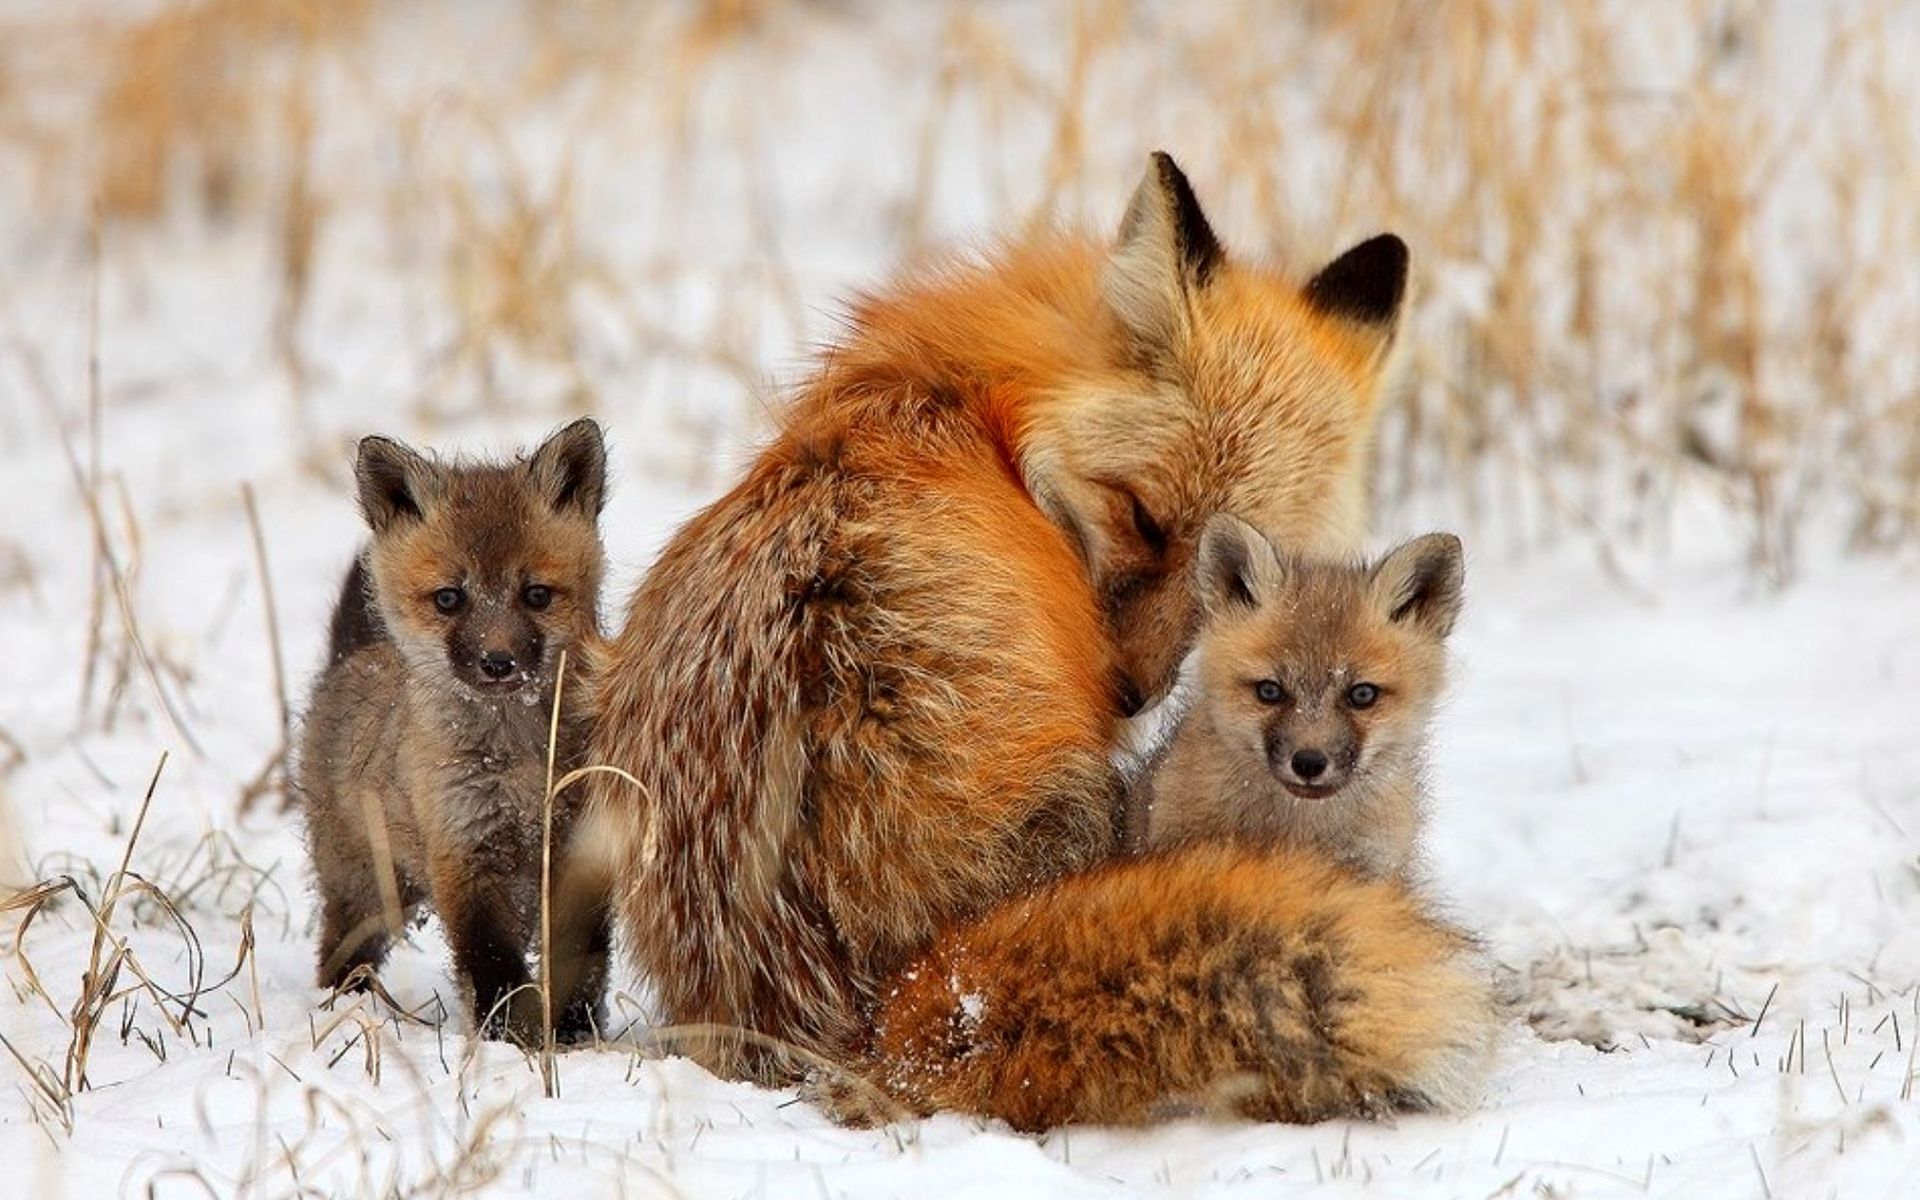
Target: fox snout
(1310,768)
(501,653)
(496,664)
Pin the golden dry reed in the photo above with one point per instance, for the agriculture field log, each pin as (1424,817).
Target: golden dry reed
(1663,251)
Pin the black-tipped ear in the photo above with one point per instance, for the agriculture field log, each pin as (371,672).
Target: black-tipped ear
(1164,207)
(570,469)
(1364,286)
(1165,250)
(1236,565)
(1422,583)
(393,482)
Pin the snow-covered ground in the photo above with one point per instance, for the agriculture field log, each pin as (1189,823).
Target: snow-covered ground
(1669,814)
(1683,807)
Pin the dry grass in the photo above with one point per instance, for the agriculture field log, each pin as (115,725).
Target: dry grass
(1662,249)
(178,105)
(1601,197)
(111,959)
(146,976)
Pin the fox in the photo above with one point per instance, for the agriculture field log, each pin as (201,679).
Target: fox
(873,690)
(424,762)
(1315,686)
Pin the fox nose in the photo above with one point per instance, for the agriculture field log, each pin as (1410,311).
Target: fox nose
(1309,764)
(496,664)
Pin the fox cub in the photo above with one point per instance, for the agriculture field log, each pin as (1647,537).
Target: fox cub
(1317,683)
(424,765)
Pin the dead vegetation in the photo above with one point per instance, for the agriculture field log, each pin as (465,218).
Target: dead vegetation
(1661,250)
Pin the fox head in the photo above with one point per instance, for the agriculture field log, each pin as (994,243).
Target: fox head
(1326,672)
(1222,387)
(484,572)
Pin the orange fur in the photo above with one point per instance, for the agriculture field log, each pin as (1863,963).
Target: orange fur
(873,689)
(1267,983)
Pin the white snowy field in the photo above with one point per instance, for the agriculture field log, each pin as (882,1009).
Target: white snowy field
(1667,813)
(1681,803)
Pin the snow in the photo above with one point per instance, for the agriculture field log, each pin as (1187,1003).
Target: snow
(1669,803)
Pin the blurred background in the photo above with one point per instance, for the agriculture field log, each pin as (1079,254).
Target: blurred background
(1666,253)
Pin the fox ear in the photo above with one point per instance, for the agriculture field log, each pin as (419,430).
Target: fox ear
(1421,583)
(570,469)
(1363,289)
(1236,565)
(394,482)
(1165,252)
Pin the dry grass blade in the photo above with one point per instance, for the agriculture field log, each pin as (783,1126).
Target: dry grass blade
(363,978)
(46,1083)
(29,902)
(89,484)
(97,982)
(276,775)
(110,954)
(85,482)
(549,1071)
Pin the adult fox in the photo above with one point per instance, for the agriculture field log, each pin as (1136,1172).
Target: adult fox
(872,691)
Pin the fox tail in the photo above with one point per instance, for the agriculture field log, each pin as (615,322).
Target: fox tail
(1267,983)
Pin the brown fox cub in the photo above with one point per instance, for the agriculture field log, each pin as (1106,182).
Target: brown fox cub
(423,769)
(1264,981)
(1316,685)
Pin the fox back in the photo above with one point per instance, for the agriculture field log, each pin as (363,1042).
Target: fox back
(1316,686)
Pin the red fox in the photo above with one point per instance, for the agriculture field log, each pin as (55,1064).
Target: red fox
(872,691)
(1317,681)
(423,766)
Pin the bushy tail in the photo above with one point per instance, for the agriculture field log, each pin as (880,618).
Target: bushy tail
(1262,982)
(699,703)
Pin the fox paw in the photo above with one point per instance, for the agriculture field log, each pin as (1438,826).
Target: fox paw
(850,1099)
(516,1018)
(579,1025)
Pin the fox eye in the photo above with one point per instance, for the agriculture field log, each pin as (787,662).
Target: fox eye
(1149,529)
(1362,695)
(1269,692)
(537,596)
(449,599)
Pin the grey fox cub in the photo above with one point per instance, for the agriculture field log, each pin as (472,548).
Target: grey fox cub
(1316,686)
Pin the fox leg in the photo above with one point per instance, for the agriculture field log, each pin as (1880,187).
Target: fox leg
(358,916)
(492,959)
(582,1013)
(488,938)
(354,933)
(582,920)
